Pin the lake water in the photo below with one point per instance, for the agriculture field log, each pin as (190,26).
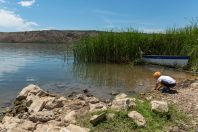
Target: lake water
(52,67)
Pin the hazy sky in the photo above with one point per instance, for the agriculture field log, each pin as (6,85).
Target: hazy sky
(147,15)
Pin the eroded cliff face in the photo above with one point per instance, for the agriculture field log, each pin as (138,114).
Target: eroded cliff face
(46,36)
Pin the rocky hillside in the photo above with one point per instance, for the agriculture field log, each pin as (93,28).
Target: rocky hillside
(46,36)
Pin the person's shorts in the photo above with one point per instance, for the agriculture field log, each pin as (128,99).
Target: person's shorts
(168,84)
(165,90)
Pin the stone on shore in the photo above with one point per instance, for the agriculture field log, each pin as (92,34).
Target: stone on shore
(121,96)
(75,128)
(194,85)
(97,107)
(159,106)
(37,105)
(29,89)
(50,128)
(1,126)
(13,124)
(93,100)
(114,93)
(70,117)
(52,102)
(123,103)
(137,118)
(36,99)
(96,119)
(42,116)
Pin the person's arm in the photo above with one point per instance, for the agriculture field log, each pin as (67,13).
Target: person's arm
(158,86)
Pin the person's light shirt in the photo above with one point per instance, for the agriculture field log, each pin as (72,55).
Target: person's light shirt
(167,79)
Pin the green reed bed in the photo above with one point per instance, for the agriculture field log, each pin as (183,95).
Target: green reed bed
(129,46)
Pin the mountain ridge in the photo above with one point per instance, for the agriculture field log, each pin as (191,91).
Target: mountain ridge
(45,36)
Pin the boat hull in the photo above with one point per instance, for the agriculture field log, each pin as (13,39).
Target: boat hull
(174,61)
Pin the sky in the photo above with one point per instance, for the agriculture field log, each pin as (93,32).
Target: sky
(144,15)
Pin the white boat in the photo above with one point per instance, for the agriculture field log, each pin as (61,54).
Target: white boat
(174,61)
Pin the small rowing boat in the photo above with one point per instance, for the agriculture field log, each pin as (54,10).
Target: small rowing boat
(174,61)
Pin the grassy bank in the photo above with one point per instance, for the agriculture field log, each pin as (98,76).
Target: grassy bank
(129,46)
(122,123)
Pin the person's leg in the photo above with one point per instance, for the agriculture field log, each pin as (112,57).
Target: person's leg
(166,87)
(165,90)
(172,85)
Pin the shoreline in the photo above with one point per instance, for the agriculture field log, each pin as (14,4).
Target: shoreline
(41,110)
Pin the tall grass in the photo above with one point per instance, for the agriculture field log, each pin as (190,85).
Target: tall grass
(155,122)
(128,46)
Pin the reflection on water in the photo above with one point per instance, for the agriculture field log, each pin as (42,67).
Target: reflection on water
(106,78)
(52,67)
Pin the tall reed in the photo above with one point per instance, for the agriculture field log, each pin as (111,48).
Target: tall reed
(128,46)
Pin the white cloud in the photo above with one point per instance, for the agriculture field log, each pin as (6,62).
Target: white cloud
(27,3)
(2,1)
(10,21)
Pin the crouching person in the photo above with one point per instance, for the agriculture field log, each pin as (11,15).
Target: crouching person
(164,83)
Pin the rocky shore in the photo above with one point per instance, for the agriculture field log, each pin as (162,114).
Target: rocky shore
(38,111)
(35,110)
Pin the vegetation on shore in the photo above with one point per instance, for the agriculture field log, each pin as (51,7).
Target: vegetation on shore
(122,123)
(129,46)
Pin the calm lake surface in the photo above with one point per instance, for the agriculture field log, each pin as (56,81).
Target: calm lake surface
(52,67)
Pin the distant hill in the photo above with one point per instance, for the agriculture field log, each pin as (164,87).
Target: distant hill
(45,36)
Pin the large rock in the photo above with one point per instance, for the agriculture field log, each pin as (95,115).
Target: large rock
(74,104)
(36,105)
(29,89)
(70,117)
(1,126)
(13,124)
(123,103)
(194,85)
(27,125)
(96,119)
(10,122)
(97,107)
(159,106)
(35,98)
(52,102)
(121,96)
(42,116)
(93,100)
(50,128)
(137,118)
(74,128)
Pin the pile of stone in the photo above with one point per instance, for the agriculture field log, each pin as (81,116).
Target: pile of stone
(38,111)
(124,103)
